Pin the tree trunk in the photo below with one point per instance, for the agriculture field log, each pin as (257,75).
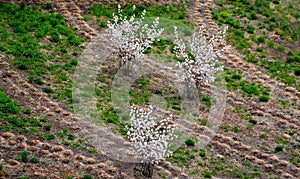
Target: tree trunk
(147,170)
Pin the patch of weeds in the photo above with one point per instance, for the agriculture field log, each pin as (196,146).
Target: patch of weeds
(189,142)
(252,121)
(250,128)
(225,128)
(262,136)
(87,176)
(63,133)
(278,149)
(26,111)
(263,98)
(48,90)
(202,153)
(34,160)
(48,127)
(71,136)
(92,150)
(207,175)
(203,122)
(24,156)
(48,136)
(236,129)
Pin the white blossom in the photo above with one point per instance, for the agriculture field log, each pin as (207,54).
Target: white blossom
(150,139)
(131,36)
(202,69)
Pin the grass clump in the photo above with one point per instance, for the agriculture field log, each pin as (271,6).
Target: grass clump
(190,142)
(34,160)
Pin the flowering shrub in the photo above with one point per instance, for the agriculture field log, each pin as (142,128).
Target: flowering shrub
(150,137)
(131,36)
(201,66)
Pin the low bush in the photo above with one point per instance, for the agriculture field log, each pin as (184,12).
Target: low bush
(24,156)
(278,148)
(189,142)
(263,98)
(34,160)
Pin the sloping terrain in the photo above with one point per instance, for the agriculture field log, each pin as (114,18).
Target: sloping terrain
(41,46)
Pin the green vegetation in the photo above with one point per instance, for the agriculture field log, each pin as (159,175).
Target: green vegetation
(38,41)
(24,156)
(8,111)
(189,142)
(280,58)
(234,81)
(202,153)
(24,29)
(87,176)
(172,11)
(263,98)
(278,149)
(34,160)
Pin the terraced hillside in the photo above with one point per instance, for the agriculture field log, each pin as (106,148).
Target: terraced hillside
(43,44)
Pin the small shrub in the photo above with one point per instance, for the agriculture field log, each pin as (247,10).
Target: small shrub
(74,61)
(249,127)
(47,6)
(225,128)
(297,72)
(87,176)
(236,129)
(48,136)
(38,81)
(55,38)
(34,160)
(24,156)
(278,148)
(48,90)
(92,150)
(261,39)
(27,111)
(263,98)
(71,136)
(239,33)
(236,76)
(253,16)
(190,142)
(281,48)
(48,127)
(202,153)
(103,24)
(252,121)
(250,29)
(259,49)
(192,156)
(271,44)
(295,58)
(203,122)
(207,175)
(262,136)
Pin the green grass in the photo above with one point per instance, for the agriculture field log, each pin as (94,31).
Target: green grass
(8,114)
(172,11)
(234,81)
(280,61)
(23,28)
(34,160)
(189,142)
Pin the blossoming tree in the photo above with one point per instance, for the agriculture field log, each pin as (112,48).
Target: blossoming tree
(132,36)
(150,137)
(201,66)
